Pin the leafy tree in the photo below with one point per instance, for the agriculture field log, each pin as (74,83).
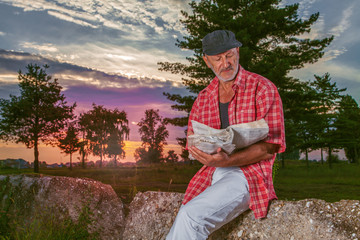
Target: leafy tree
(39,114)
(115,146)
(147,155)
(84,147)
(153,136)
(347,126)
(42,164)
(328,100)
(70,143)
(99,123)
(172,157)
(301,123)
(273,37)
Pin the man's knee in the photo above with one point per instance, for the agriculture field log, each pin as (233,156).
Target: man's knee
(191,214)
(187,225)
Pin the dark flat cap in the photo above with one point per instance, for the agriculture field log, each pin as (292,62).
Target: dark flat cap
(219,41)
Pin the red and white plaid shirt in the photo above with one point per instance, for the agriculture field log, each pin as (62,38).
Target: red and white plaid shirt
(255,98)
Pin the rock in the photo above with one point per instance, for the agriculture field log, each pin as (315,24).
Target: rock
(305,219)
(25,199)
(47,198)
(152,213)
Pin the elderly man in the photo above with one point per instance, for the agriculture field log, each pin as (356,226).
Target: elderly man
(228,185)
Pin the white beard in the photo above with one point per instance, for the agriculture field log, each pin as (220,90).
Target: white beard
(232,77)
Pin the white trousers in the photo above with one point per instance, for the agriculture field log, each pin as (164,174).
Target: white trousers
(226,198)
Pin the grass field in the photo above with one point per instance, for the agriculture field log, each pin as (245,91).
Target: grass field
(294,182)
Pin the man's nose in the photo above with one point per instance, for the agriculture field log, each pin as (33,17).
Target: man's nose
(225,62)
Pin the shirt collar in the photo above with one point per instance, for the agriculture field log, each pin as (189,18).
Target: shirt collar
(239,80)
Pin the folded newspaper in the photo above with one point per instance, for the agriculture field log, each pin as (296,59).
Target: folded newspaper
(238,136)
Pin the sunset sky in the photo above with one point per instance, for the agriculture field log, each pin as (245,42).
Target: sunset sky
(106,52)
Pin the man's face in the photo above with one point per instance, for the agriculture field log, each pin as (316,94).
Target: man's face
(225,65)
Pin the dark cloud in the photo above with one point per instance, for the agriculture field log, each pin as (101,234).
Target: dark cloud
(69,74)
(103,89)
(120,98)
(12,61)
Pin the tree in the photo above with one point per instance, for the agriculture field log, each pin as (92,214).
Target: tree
(99,123)
(301,110)
(84,148)
(70,143)
(153,136)
(273,38)
(39,114)
(172,157)
(347,125)
(328,100)
(115,146)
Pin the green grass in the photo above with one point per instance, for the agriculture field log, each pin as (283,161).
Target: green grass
(50,227)
(294,182)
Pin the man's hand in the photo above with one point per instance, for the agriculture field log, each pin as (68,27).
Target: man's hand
(218,159)
(252,154)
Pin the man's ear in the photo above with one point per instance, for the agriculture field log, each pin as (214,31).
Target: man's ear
(206,61)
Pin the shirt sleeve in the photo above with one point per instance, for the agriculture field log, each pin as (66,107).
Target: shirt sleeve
(193,116)
(269,106)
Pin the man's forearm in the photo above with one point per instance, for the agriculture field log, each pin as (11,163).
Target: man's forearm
(252,154)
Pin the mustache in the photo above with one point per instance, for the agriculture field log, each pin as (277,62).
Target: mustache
(230,67)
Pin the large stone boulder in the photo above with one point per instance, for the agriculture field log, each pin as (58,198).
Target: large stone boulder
(152,213)
(308,219)
(27,200)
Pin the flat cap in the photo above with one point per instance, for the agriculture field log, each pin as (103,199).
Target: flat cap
(219,41)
